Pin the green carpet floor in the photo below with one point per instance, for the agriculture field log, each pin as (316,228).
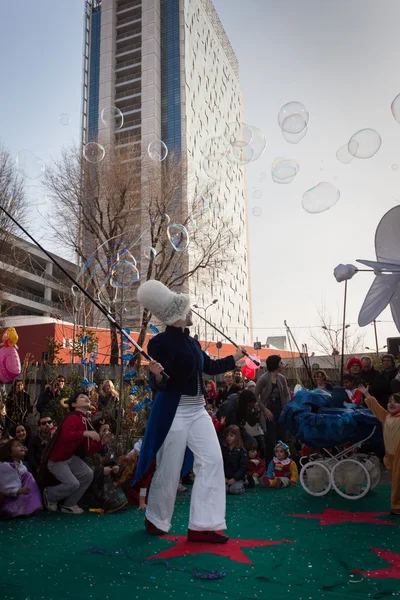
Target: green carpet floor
(47,557)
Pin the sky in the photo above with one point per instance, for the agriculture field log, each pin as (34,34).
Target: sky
(338,58)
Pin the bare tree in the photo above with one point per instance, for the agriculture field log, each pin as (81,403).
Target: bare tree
(12,198)
(118,216)
(328,338)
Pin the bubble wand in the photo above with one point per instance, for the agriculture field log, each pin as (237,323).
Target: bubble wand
(99,306)
(227,338)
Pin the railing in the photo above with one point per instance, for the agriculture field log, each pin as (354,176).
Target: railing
(23,267)
(125,7)
(128,34)
(128,63)
(130,48)
(125,79)
(126,94)
(34,298)
(128,20)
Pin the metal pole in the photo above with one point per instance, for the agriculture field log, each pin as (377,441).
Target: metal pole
(343,332)
(376,338)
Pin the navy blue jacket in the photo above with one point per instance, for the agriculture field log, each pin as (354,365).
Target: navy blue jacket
(185,362)
(236,462)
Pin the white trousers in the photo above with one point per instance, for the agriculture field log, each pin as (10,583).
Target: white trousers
(192,427)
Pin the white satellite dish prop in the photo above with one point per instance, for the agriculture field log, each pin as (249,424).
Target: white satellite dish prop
(385,288)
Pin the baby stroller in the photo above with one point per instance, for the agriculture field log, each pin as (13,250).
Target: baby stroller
(338,433)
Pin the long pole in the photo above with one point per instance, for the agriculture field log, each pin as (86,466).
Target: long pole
(226,337)
(376,338)
(343,332)
(99,306)
(306,366)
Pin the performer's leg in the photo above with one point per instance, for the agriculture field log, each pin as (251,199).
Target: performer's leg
(162,494)
(207,507)
(237,487)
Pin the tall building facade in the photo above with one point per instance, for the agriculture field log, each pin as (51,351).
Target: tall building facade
(168,66)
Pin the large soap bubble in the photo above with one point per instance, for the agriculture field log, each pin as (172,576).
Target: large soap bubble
(346,153)
(29,165)
(294,138)
(284,170)
(320,198)
(112,117)
(396,108)
(124,274)
(215,149)
(293,117)
(157,151)
(65,119)
(257,211)
(178,236)
(365,143)
(93,152)
(246,143)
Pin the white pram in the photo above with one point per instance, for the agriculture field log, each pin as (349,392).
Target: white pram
(349,472)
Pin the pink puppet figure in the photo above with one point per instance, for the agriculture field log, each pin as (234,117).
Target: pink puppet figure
(10,365)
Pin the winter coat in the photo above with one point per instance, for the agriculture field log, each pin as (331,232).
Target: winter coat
(45,399)
(228,409)
(263,390)
(381,387)
(256,467)
(235,462)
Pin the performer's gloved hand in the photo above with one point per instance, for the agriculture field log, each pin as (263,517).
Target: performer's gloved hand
(240,352)
(156,369)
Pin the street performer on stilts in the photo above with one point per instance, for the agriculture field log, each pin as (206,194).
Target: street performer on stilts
(178,420)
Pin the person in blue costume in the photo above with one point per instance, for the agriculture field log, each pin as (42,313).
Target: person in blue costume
(179,420)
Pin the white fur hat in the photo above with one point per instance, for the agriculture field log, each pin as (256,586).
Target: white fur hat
(169,307)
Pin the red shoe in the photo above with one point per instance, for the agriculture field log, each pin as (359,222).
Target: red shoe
(207,537)
(152,529)
(279,483)
(266,482)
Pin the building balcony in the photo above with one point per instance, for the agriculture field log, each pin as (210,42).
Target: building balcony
(128,7)
(122,81)
(129,49)
(19,296)
(128,25)
(128,35)
(128,95)
(130,104)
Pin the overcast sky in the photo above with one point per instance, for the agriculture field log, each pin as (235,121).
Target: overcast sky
(338,57)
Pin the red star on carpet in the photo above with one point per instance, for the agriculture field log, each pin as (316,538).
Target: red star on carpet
(388,573)
(232,548)
(330,516)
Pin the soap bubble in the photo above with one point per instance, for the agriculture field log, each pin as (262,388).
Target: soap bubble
(257,211)
(396,108)
(395,167)
(238,134)
(164,219)
(124,274)
(65,119)
(217,171)
(284,170)
(257,194)
(346,153)
(320,198)
(178,237)
(294,138)
(150,253)
(368,143)
(157,151)
(258,143)
(293,117)
(93,152)
(263,176)
(112,117)
(240,155)
(30,165)
(215,149)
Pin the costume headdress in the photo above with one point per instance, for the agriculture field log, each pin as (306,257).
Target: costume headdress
(167,306)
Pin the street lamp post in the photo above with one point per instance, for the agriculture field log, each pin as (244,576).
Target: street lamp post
(205,316)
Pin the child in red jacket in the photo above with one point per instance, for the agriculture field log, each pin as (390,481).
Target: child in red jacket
(74,437)
(256,468)
(219,425)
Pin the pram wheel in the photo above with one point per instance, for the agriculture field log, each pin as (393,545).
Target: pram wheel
(315,478)
(350,479)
